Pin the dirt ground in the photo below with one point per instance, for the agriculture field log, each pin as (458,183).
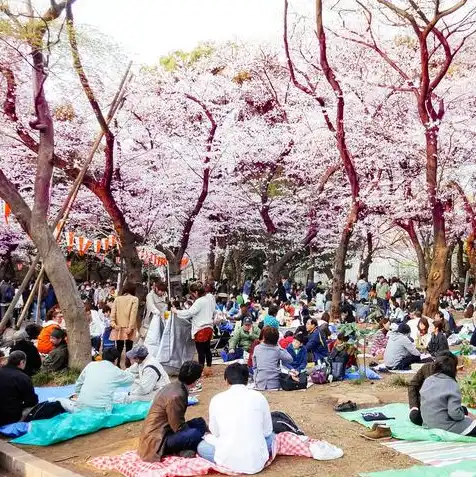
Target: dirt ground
(312,409)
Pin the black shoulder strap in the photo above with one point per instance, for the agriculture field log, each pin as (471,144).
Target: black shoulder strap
(159,375)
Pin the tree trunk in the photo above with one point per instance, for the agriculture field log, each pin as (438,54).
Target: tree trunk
(219,261)
(211,262)
(79,342)
(436,276)
(448,269)
(175,276)
(338,279)
(364,265)
(462,266)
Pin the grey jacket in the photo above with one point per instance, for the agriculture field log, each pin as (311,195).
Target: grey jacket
(398,347)
(267,365)
(440,405)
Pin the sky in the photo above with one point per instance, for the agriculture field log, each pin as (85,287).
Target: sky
(153,28)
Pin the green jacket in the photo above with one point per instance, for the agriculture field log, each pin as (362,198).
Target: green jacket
(382,290)
(243,339)
(57,359)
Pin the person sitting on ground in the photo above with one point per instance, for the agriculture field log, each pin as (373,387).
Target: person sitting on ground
(98,382)
(316,343)
(267,359)
(54,321)
(287,339)
(415,385)
(440,317)
(149,375)
(252,350)
(438,341)
(22,341)
(401,352)
(270,319)
(380,340)
(343,351)
(469,311)
(241,440)
(243,313)
(362,310)
(397,314)
(423,336)
(57,358)
(440,400)
(165,431)
(323,324)
(17,395)
(242,339)
(299,354)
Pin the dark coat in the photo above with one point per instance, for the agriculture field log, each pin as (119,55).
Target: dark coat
(33,358)
(56,359)
(166,415)
(317,345)
(16,394)
(437,343)
(416,383)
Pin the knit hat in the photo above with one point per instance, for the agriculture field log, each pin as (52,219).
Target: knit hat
(58,333)
(140,352)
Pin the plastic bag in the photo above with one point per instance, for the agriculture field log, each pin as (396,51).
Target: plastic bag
(322,450)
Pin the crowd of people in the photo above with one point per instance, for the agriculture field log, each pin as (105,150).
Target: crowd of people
(279,338)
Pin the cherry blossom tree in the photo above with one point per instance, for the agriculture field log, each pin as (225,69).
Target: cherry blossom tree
(31,42)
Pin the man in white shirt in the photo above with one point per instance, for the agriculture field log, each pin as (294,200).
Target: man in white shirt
(149,374)
(240,423)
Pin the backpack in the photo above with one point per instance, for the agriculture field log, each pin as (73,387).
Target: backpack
(283,423)
(321,372)
(287,383)
(401,290)
(44,410)
(9,294)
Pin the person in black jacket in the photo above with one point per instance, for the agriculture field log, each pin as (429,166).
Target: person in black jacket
(22,341)
(438,341)
(17,395)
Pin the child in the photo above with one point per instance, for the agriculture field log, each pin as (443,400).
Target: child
(106,342)
(287,340)
(298,353)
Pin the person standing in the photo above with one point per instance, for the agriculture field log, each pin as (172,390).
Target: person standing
(124,320)
(156,305)
(201,316)
(240,440)
(363,288)
(383,291)
(165,431)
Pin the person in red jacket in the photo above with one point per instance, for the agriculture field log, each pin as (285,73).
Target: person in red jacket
(55,320)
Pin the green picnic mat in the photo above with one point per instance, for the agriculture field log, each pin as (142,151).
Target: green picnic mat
(462,469)
(403,428)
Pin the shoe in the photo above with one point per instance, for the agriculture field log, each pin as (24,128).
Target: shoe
(378,432)
(196,389)
(187,454)
(346,407)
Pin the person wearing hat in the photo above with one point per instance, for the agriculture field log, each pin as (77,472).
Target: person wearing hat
(22,341)
(243,338)
(149,375)
(401,351)
(57,359)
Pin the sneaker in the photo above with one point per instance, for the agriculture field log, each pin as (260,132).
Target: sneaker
(196,389)
(346,407)
(378,432)
(187,454)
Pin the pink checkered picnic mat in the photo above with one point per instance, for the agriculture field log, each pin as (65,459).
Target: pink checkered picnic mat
(130,465)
